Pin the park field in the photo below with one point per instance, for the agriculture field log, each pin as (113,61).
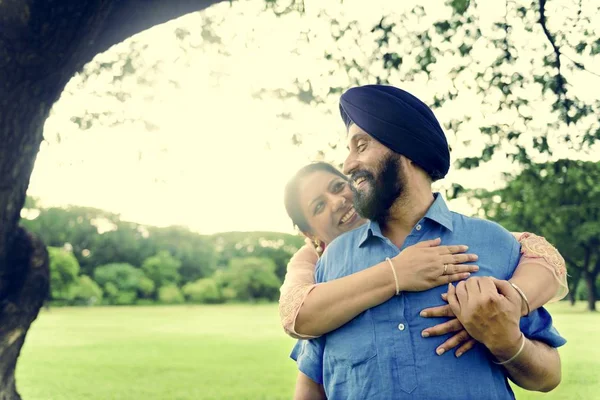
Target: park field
(214,352)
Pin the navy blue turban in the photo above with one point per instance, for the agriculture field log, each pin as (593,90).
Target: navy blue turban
(401,122)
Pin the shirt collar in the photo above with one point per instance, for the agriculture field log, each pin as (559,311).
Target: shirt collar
(371,228)
(438,212)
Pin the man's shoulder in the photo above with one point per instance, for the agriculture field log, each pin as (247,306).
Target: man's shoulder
(347,240)
(483,228)
(497,248)
(339,253)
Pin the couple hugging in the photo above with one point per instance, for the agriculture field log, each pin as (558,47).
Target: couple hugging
(391,280)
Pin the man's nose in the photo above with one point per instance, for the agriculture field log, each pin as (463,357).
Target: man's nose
(350,164)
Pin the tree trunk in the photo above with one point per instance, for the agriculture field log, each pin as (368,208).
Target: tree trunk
(42,45)
(571,297)
(573,282)
(24,275)
(25,282)
(590,282)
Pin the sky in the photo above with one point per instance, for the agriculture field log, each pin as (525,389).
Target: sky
(195,146)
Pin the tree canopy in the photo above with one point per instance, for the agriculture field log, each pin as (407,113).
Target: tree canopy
(561,201)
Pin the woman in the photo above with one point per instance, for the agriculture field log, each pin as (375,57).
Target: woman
(308,310)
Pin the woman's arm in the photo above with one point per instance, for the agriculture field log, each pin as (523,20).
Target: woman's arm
(331,304)
(311,310)
(298,283)
(541,273)
(307,389)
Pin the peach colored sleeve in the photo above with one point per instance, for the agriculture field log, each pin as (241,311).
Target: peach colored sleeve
(299,281)
(536,249)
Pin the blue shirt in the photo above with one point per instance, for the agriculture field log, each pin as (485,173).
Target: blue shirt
(380,354)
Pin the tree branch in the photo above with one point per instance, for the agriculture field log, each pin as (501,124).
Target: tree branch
(507,54)
(580,66)
(38,39)
(560,79)
(549,36)
(128,17)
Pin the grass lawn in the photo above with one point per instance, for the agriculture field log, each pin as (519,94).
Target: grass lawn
(212,352)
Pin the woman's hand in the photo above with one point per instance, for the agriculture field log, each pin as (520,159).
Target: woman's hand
(461,338)
(426,265)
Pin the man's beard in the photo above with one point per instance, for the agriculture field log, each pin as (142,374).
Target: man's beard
(386,188)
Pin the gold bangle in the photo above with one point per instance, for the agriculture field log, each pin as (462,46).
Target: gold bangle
(516,355)
(395,275)
(523,297)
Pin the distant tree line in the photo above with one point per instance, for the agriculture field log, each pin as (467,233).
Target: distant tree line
(96,258)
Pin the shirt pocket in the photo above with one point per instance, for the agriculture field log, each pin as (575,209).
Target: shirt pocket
(353,343)
(350,360)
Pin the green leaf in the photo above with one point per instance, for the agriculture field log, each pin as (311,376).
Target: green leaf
(442,26)
(392,61)
(468,162)
(459,6)
(580,47)
(595,47)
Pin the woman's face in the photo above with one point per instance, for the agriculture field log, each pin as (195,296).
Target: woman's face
(326,201)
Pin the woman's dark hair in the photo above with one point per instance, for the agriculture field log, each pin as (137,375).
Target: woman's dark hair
(291,195)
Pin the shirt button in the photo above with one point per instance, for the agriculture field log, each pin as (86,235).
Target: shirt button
(418,227)
(401,327)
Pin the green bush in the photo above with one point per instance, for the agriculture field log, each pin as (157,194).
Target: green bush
(125,277)
(145,287)
(111,292)
(162,268)
(250,278)
(123,283)
(145,302)
(59,303)
(170,295)
(125,298)
(228,294)
(64,269)
(203,291)
(86,291)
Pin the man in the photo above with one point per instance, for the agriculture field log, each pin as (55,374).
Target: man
(397,149)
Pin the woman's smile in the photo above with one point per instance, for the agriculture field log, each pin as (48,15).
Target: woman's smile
(349,217)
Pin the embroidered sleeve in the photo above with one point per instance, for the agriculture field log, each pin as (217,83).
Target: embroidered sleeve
(298,283)
(536,249)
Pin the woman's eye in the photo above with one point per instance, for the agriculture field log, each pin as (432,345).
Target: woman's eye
(318,207)
(339,187)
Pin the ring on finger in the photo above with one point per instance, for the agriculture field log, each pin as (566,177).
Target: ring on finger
(445,269)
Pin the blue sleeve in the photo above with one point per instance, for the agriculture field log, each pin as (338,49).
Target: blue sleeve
(515,257)
(319,278)
(538,326)
(308,354)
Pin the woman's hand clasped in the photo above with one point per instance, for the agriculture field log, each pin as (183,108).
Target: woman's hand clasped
(461,339)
